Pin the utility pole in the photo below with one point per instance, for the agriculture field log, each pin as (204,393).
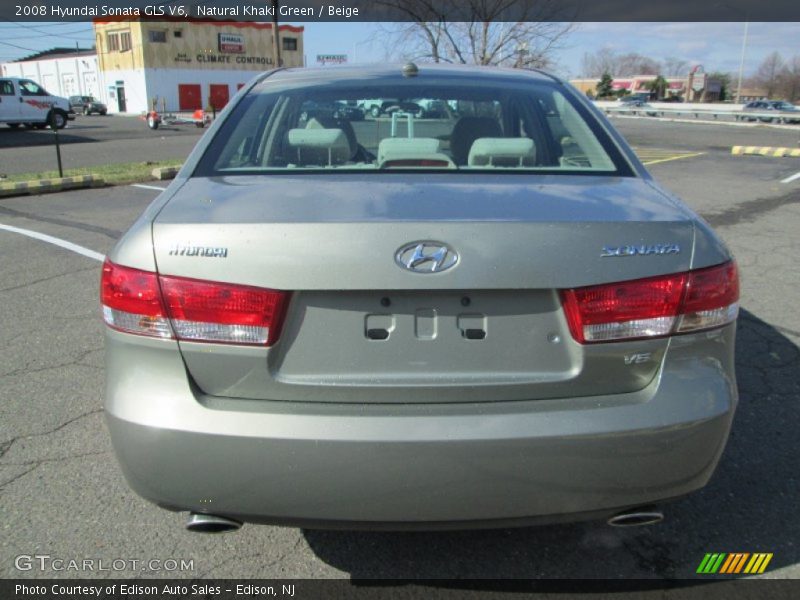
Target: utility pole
(741,63)
(276,48)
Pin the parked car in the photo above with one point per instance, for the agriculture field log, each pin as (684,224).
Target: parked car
(768,111)
(494,320)
(639,105)
(351,112)
(634,98)
(331,109)
(87,105)
(25,102)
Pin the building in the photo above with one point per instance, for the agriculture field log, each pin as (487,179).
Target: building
(680,87)
(172,64)
(749,94)
(185,64)
(61,71)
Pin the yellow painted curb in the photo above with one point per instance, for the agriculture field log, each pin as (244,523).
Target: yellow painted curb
(766,151)
(44,186)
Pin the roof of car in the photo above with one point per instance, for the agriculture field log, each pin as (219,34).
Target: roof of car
(380,71)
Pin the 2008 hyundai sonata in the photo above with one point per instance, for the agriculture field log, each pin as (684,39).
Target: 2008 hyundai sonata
(479,312)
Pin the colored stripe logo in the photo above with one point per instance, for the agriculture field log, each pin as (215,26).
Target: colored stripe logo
(734,563)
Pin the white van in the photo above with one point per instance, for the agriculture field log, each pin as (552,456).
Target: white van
(25,102)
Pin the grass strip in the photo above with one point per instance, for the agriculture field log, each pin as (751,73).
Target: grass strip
(115,174)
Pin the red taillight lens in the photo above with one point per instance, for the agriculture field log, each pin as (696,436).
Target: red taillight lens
(221,312)
(132,301)
(712,298)
(141,302)
(653,307)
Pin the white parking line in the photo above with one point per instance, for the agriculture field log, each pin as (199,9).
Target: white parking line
(148,187)
(54,240)
(791,178)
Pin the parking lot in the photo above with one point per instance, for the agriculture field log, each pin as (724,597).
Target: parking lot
(62,494)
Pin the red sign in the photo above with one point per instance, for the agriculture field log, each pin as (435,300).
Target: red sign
(231,43)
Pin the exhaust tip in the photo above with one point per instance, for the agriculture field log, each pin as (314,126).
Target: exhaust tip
(202,523)
(636,518)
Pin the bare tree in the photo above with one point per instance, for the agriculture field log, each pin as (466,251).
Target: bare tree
(634,63)
(768,74)
(789,79)
(483,36)
(674,67)
(596,64)
(606,60)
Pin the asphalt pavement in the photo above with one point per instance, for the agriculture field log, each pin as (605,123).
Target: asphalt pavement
(62,493)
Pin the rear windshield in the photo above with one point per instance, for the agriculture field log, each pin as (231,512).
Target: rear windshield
(352,126)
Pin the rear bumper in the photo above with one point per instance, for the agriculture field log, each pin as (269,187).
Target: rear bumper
(456,465)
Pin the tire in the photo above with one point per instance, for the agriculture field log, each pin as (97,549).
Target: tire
(58,118)
(28,125)
(86,111)
(152,122)
(103,113)
(199,124)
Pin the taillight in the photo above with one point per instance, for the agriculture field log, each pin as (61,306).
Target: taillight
(221,312)
(132,301)
(145,303)
(653,307)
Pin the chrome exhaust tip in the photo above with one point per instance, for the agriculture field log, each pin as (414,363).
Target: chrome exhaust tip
(637,517)
(203,523)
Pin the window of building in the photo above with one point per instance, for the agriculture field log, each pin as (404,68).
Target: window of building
(112,42)
(178,33)
(118,41)
(289,43)
(158,37)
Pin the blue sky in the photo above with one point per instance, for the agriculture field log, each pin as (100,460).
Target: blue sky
(717,46)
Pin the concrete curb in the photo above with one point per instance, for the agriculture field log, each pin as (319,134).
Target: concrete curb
(766,151)
(45,186)
(163,173)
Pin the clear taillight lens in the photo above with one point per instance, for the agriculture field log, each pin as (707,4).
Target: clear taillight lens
(653,307)
(145,303)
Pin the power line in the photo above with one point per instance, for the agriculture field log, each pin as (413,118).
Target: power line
(20,47)
(39,25)
(62,34)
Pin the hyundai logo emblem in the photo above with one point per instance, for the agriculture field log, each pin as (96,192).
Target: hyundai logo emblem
(426,257)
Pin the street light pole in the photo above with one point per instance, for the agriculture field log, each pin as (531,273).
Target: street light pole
(741,64)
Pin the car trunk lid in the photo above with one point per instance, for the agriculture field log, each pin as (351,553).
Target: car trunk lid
(362,328)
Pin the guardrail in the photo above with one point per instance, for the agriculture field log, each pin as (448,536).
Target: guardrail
(732,113)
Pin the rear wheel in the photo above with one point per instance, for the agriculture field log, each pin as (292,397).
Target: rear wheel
(152,122)
(57,119)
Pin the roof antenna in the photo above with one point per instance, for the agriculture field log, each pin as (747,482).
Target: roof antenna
(410,70)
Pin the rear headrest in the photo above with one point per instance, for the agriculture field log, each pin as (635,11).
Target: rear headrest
(400,148)
(467,130)
(321,147)
(320,121)
(502,152)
